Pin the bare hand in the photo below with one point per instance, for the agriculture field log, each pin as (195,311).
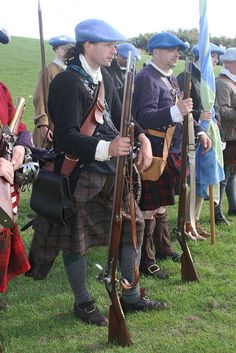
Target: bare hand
(145,153)
(205,142)
(205,115)
(6,170)
(120,146)
(46,133)
(18,157)
(185,106)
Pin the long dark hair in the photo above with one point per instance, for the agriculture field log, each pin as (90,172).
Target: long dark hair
(74,52)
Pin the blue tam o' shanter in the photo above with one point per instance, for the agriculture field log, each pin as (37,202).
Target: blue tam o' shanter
(61,40)
(166,40)
(124,48)
(229,55)
(4,36)
(213,49)
(94,30)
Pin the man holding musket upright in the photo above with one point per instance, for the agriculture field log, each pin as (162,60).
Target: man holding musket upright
(71,94)
(157,107)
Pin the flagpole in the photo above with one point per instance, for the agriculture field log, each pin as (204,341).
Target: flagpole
(207,93)
(210,187)
(212,214)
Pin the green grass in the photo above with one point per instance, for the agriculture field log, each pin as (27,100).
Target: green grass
(39,318)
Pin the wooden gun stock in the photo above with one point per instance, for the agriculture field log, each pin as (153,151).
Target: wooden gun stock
(6,213)
(188,270)
(118,332)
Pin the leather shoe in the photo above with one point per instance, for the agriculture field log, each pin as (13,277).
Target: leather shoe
(204,233)
(143,304)
(193,233)
(221,220)
(171,256)
(88,313)
(155,272)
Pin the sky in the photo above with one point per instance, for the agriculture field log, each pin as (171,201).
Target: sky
(20,17)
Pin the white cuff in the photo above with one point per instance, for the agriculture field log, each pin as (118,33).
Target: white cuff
(101,154)
(201,133)
(175,114)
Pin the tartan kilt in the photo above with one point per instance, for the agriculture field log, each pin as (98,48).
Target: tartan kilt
(162,192)
(13,258)
(88,226)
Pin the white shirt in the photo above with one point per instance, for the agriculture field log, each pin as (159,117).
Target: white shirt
(101,153)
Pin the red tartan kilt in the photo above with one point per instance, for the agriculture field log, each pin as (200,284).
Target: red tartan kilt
(161,192)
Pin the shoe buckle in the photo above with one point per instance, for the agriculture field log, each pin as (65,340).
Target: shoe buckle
(90,311)
(153,268)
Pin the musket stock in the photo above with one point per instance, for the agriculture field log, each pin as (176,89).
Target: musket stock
(188,270)
(118,331)
(6,213)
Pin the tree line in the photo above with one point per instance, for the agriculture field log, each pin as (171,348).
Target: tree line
(186,35)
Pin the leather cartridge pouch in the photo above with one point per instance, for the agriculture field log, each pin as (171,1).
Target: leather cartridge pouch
(155,170)
(51,192)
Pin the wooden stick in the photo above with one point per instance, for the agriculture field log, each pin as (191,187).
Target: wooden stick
(212,214)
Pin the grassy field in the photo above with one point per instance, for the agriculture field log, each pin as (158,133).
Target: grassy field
(39,318)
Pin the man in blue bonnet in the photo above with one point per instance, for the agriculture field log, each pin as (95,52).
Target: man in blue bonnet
(117,69)
(157,107)
(71,94)
(43,131)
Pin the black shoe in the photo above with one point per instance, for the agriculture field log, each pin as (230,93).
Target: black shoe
(232,212)
(89,314)
(143,304)
(172,256)
(221,220)
(155,272)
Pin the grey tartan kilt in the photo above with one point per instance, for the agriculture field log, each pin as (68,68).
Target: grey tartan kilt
(88,226)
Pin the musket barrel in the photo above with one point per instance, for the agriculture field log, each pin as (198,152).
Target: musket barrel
(118,331)
(20,107)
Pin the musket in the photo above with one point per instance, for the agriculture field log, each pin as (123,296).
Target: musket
(118,332)
(9,138)
(188,270)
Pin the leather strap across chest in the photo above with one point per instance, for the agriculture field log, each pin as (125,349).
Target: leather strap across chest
(95,115)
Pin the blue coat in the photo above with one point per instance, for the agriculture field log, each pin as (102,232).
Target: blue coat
(152,100)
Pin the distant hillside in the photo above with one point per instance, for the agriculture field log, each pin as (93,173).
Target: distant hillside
(20,65)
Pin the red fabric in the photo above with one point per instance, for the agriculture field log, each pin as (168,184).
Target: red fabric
(13,258)
(7,109)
